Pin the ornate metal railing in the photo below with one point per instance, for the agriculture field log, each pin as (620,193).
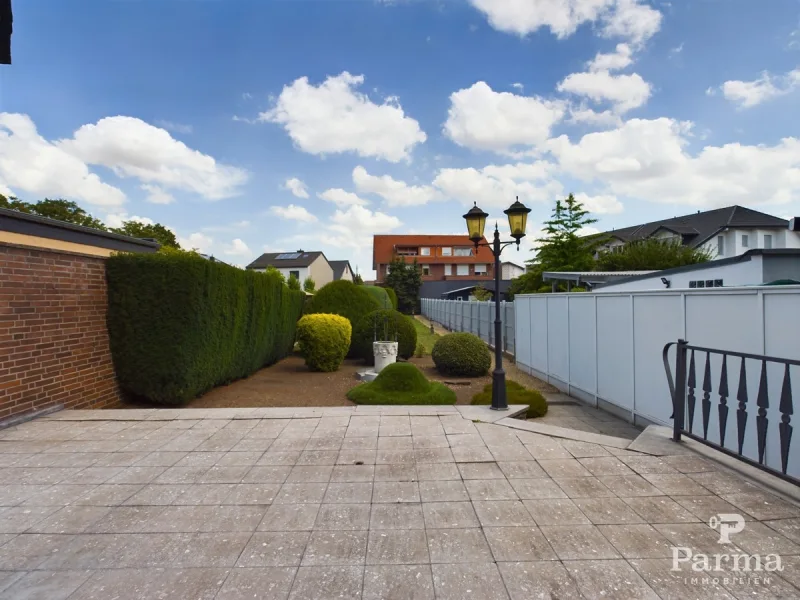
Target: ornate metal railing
(684,393)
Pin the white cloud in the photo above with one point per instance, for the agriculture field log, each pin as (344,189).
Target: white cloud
(118,219)
(613,61)
(619,18)
(624,92)
(583,114)
(196,241)
(176,127)
(293,213)
(31,165)
(673,52)
(334,117)
(342,198)
(648,160)
(237,248)
(600,205)
(297,187)
(394,192)
(747,94)
(481,118)
(157,195)
(355,226)
(518,86)
(133,148)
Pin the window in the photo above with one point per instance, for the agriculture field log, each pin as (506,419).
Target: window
(462,269)
(406,251)
(721,245)
(295,274)
(448,270)
(463,252)
(447,252)
(426,269)
(767,241)
(745,241)
(480,269)
(425,251)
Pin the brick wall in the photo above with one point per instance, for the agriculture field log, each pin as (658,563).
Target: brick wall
(54,346)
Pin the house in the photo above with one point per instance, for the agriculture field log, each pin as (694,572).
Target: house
(723,232)
(341,270)
(510,270)
(301,264)
(440,257)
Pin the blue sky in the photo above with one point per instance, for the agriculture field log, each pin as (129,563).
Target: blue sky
(251,126)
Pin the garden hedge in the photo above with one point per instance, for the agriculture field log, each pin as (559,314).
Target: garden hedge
(402,383)
(462,354)
(324,341)
(380,294)
(392,296)
(394,323)
(516,394)
(180,325)
(343,298)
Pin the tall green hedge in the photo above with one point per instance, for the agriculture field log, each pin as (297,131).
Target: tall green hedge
(381,295)
(180,324)
(392,297)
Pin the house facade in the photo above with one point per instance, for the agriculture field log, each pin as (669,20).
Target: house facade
(510,270)
(301,264)
(440,257)
(342,270)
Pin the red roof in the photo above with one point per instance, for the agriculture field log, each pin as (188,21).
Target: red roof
(384,248)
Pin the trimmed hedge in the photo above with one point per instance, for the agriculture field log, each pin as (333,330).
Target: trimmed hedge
(461,354)
(381,295)
(324,341)
(343,298)
(402,383)
(180,325)
(392,296)
(516,394)
(396,323)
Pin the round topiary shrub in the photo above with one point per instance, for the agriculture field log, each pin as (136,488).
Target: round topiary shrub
(392,297)
(516,394)
(462,354)
(380,295)
(323,341)
(402,383)
(389,325)
(342,298)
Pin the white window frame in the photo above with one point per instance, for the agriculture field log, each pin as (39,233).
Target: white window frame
(459,268)
(483,271)
(447,251)
(768,241)
(461,251)
(426,268)
(745,240)
(721,245)
(448,270)
(424,251)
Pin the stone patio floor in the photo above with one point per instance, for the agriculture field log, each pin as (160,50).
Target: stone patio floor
(364,502)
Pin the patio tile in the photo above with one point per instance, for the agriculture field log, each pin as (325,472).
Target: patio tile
(336,548)
(396,516)
(480,470)
(398,582)
(125,584)
(309,474)
(233,518)
(20,518)
(676,484)
(251,493)
(449,515)
(301,493)
(317,457)
(359,443)
(722,483)
(472,454)
(526,469)
(697,536)
(271,583)
(584,449)
(397,547)
(637,541)
(579,542)
(688,463)
(137,474)
(788,528)
(430,441)
(705,507)
(274,549)
(239,459)
(569,467)
(763,506)
(394,457)
(289,517)
(757,538)
(458,546)
(548,452)
(279,458)
(84,551)
(503,514)
(529,489)
(434,455)
(353,473)
(540,579)
(343,517)
(510,452)
(490,489)
(204,493)
(555,511)
(45,585)
(395,472)
(356,457)
(151,549)
(630,486)
(660,509)
(126,519)
(477,581)
(677,585)
(70,519)
(643,464)
(327,583)
(609,579)
(211,550)
(443,491)
(29,551)
(607,511)
(605,465)
(395,491)
(518,544)
(348,493)
(584,487)
(438,472)
(156,495)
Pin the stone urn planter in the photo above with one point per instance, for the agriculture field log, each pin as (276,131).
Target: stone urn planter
(385,354)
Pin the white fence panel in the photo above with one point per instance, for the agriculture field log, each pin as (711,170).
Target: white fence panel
(473,317)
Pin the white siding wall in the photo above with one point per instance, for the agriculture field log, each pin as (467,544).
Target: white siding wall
(511,272)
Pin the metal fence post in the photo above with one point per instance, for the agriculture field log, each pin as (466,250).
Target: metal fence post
(679,398)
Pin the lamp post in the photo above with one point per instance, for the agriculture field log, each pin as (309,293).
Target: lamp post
(476,222)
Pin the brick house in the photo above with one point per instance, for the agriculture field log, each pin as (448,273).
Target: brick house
(441,257)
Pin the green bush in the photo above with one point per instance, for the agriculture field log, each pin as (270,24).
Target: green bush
(420,351)
(380,295)
(180,325)
(392,297)
(402,383)
(343,298)
(323,341)
(516,394)
(462,354)
(389,323)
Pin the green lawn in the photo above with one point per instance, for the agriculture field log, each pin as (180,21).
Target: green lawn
(424,336)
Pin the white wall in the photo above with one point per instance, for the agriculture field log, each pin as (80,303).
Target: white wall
(509,272)
(607,348)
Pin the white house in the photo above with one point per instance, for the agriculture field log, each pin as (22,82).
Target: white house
(301,264)
(510,270)
(342,270)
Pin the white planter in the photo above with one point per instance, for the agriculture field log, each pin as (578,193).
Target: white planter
(385,354)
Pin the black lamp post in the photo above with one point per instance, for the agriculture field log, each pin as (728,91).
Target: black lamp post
(476,222)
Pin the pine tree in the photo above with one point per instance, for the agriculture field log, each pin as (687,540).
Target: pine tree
(562,249)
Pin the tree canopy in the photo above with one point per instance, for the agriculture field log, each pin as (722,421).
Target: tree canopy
(562,248)
(651,255)
(405,279)
(155,231)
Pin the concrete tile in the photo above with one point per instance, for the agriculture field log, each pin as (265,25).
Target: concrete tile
(643,464)
(449,515)
(548,452)
(509,452)
(637,541)
(95,475)
(353,473)
(233,518)
(630,486)
(252,493)
(476,581)
(257,444)
(584,487)
(278,458)
(723,483)
(688,463)
(70,519)
(490,489)
(509,513)
(436,455)
(336,548)
(85,551)
(555,511)
(356,457)
(397,547)
(676,484)
(126,519)
(481,470)
(473,454)
(178,519)
(274,549)
(359,443)
(211,550)
(398,582)
(527,469)
(605,465)
(151,549)
(272,583)
(677,585)
(125,584)
(518,544)
(395,472)
(343,517)
(788,528)
(46,585)
(31,550)
(317,457)
(200,459)
(757,538)
(443,491)
(137,474)
(348,493)
(609,579)
(697,536)
(540,579)
(310,474)
(239,459)
(584,449)
(568,467)
(204,494)
(328,583)
(21,518)
(438,472)
(430,441)
(705,507)
(763,506)
(395,457)
(458,546)
(607,511)
(660,509)
(289,517)
(156,495)
(529,489)
(395,491)
(186,475)
(220,474)
(396,516)
(579,542)
(301,493)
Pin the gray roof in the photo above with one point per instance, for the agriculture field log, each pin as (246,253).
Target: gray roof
(338,268)
(698,227)
(290,260)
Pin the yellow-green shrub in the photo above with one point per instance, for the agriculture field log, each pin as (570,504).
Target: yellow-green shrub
(324,340)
